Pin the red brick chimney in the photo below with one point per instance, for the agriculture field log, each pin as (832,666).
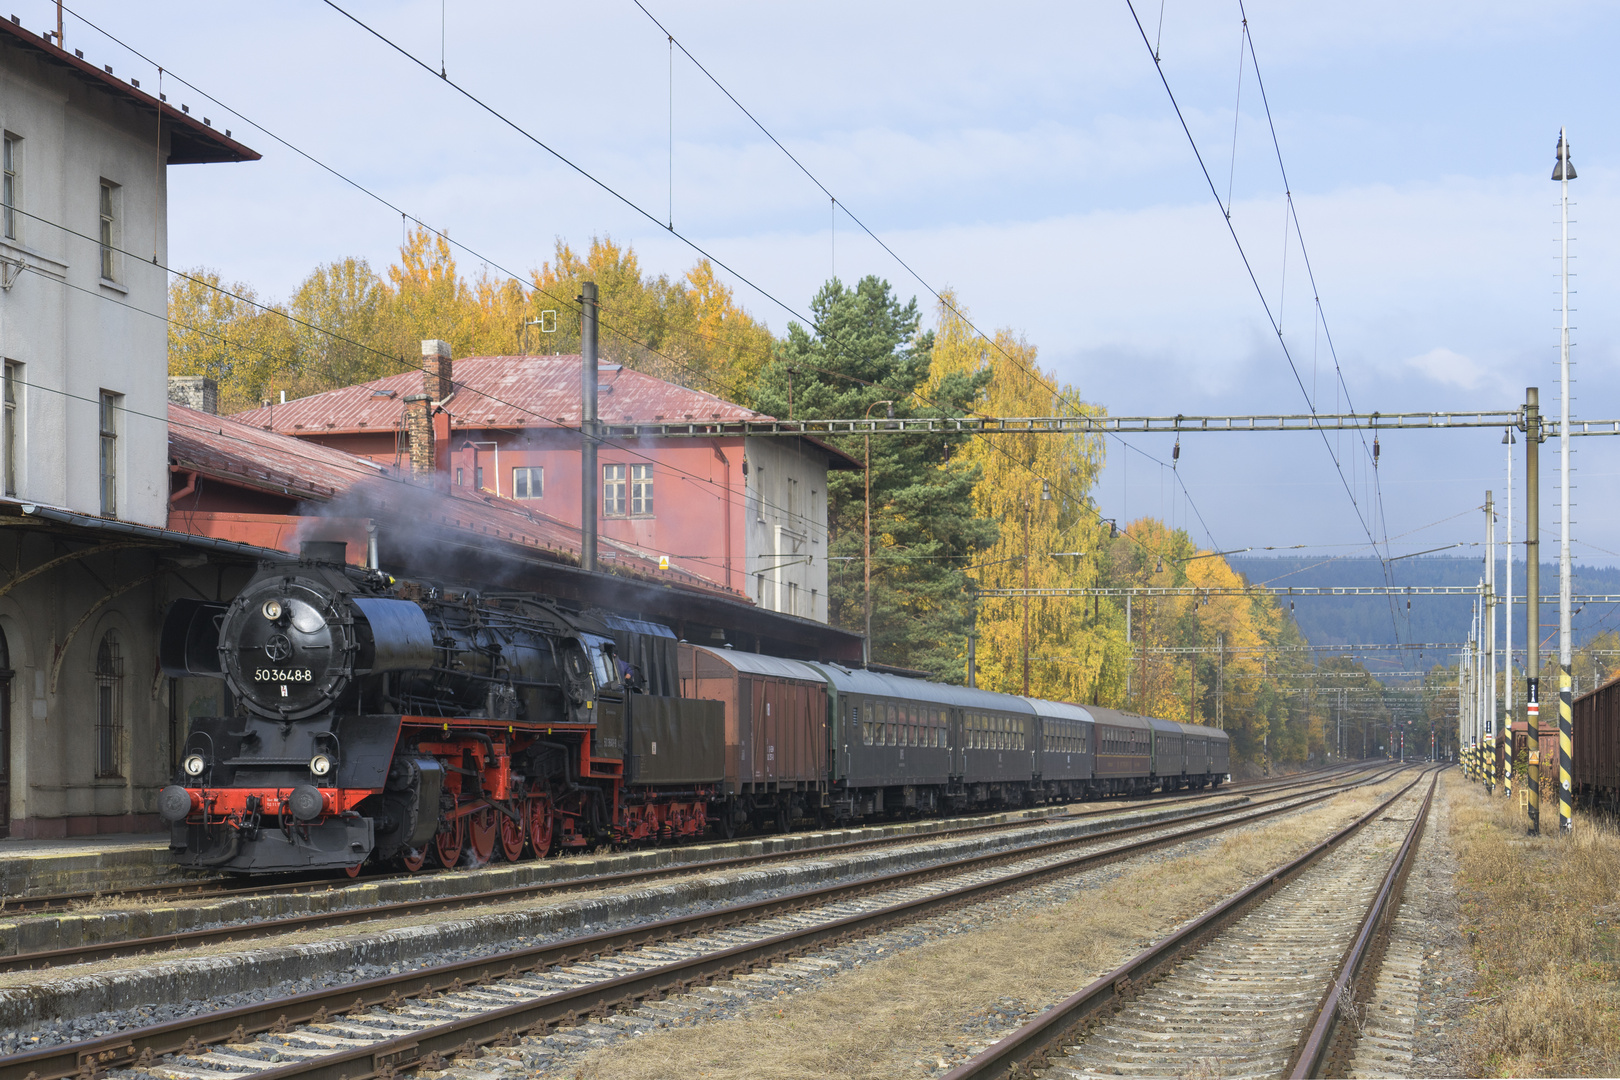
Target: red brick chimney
(436,381)
(436,387)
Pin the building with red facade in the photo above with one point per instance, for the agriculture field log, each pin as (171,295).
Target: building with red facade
(748,514)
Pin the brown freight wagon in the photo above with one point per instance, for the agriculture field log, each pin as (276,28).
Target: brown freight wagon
(776,733)
(1596,766)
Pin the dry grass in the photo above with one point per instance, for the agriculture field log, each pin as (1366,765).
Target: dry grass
(901,1016)
(1541,917)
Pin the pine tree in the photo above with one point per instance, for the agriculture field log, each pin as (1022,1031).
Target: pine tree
(866,349)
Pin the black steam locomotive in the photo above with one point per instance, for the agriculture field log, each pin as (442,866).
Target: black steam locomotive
(401,723)
(405,724)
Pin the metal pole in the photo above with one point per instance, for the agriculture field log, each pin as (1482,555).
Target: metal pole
(866,642)
(1490,630)
(1130,648)
(1507,632)
(1220,680)
(1532,597)
(1565,715)
(588,478)
(1026,597)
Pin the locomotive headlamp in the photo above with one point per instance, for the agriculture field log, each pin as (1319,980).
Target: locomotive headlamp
(194,765)
(320,765)
(272,610)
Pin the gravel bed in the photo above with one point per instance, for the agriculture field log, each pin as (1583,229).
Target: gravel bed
(58,1031)
(558,1055)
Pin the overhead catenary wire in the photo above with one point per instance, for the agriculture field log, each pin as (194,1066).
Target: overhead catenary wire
(1248,266)
(738,500)
(1084,501)
(838,204)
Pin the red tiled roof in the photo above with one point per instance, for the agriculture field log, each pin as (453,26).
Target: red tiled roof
(237,453)
(229,450)
(500,392)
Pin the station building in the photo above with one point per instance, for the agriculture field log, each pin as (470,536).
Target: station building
(114,502)
(747,513)
(84,430)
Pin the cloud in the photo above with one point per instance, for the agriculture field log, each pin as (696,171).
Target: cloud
(1448,368)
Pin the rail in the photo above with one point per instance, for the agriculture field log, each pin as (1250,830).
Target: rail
(1048,1031)
(139,1048)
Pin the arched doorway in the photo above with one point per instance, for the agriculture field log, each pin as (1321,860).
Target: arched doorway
(5,736)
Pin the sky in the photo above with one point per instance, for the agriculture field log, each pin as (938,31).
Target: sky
(1027,156)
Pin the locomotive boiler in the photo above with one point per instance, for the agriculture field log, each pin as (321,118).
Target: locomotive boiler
(403,723)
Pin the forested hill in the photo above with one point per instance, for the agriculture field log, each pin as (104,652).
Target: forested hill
(1333,620)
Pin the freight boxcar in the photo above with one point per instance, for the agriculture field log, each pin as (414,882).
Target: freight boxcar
(1596,748)
(1065,763)
(776,734)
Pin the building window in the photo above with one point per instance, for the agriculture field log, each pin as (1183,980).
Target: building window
(641,490)
(528,482)
(109,229)
(478,477)
(8,428)
(110,404)
(613,490)
(10,191)
(109,707)
(793,598)
(460,476)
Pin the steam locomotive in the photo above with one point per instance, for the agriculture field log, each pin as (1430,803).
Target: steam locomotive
(406,724)
(402,723)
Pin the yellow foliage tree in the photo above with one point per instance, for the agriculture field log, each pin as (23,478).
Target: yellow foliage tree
(1037,487)
(346,324)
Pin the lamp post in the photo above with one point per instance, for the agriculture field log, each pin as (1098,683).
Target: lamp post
(1564,172)
(866,642)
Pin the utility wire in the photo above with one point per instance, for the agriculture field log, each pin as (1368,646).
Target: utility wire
(643,212)
(937,295)
(1255,281)
(1084,502)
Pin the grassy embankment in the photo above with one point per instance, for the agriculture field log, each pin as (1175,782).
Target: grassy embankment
(1542,917)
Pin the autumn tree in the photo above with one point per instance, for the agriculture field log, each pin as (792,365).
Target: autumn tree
(347,324)
(227,334)
(1036,488)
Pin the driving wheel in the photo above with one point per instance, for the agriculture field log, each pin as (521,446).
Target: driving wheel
(481,830)
(514,833)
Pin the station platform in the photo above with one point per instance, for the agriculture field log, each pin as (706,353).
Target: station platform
(85,864)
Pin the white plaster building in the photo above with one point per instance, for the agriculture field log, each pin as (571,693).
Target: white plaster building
(786,528)
(84,456)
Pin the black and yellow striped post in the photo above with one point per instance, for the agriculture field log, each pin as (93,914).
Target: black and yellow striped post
(1505,746)
(1566,752)
(1532,784)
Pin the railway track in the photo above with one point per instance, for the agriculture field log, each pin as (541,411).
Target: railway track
(423,1017)
(1267,983)
(240,931)
(226,887)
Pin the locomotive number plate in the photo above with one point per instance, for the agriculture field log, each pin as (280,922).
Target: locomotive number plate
(283,675)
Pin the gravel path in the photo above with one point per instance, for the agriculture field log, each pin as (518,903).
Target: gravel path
(1421,995)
